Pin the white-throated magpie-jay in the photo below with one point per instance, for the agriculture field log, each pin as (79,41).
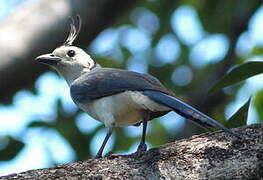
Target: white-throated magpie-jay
(116,97)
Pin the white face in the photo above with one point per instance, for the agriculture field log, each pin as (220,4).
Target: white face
(70,61)
(72,57)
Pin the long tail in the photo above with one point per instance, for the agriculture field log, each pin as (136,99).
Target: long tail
(186,110)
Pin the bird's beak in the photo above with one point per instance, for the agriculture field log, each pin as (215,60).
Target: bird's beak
(49,59)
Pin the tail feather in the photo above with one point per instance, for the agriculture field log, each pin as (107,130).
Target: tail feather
(186,110)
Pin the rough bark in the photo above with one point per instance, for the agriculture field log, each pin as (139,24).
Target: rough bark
(39,27)
(207,156)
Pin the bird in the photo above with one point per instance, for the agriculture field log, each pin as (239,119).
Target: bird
(117,97)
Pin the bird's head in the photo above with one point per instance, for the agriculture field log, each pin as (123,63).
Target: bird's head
(70,61)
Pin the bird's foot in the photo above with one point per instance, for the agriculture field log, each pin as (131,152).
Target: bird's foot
(112,155)
(98,156)
(142,148)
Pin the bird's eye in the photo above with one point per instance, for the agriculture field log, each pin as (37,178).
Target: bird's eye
(71,53)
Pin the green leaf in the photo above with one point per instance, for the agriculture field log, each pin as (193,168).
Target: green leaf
(124,142)
(258,102)
(240,117)
(157,135)
(239,73)
(38,124)
(257,51)
(12,148)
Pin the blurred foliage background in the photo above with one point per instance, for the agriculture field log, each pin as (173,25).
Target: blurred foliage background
(195,47)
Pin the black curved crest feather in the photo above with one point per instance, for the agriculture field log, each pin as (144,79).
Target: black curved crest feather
(75,27)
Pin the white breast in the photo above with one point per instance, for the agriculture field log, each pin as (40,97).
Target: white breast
(122,109)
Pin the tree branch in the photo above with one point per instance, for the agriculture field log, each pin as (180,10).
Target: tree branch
(214,155)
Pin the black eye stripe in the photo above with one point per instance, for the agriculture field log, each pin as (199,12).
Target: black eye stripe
(71,53)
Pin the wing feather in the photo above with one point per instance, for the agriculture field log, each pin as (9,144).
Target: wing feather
(103,82)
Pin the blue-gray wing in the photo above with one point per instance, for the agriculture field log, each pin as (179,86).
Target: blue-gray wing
(103,82)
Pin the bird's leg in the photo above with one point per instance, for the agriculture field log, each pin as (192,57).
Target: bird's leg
(99,154)
(142,146)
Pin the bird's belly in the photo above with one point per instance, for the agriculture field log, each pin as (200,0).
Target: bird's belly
(128,115)
(127,108)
